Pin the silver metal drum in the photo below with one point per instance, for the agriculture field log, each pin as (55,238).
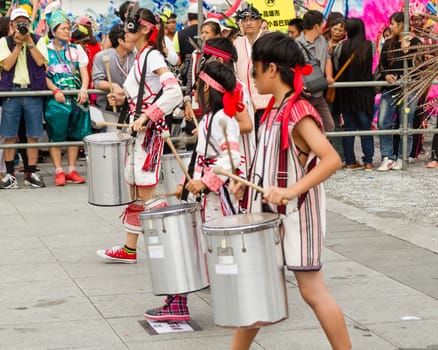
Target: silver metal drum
(171,174)
(245,266)
(106,180)
(175,248)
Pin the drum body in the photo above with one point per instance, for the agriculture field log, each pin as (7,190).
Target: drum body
(175,248)
(245,266)
(106,181)
(171,174)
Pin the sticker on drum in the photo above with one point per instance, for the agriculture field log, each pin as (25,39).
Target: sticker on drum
(156,251)
(225,262)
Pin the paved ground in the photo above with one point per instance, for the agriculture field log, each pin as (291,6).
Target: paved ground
(381,264)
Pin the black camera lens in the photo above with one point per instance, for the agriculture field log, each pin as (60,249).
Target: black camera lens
(22,28)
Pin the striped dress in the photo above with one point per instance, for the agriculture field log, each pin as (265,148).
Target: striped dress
(303,230)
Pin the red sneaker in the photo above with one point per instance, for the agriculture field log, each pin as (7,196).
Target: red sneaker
(60,179)
(118,254)
(73,176)
(175,309)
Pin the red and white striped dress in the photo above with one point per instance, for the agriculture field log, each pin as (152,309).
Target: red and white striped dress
(303,229)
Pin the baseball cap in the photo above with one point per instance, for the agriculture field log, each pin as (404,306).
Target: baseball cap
(19,13)
(193,8)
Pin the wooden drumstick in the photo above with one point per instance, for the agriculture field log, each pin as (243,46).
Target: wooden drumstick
(102,124)
(166,136)
(165,194)
(223,125)
(221,171)
(106,61)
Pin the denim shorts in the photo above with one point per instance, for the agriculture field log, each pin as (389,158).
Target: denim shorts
(31,108)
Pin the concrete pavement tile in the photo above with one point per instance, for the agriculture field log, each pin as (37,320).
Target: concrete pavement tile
(38,272)
(93,265)
(389,308)
(407,335)
(368,288)
(314,338)
(342,270)
(329,255)
(131,331)
(351,231)
(201,343)
(381,259)
(44,301)
(29,256)
(344,245)
(11,224)
(120,284)
(25,243)
(123,305)
(76,334)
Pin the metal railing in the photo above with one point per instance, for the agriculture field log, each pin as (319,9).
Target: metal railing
(403,131)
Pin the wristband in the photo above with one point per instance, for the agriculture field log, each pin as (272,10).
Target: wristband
(56,91)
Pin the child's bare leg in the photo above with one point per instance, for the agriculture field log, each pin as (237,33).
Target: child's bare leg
(315,293)
(243,338)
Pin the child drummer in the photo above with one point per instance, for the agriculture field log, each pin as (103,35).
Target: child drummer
(218,145)
(292,159)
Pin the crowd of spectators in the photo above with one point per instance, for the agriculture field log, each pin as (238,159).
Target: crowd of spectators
(43,49)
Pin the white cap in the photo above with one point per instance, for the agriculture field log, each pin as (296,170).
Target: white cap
(19,13)
(193,8)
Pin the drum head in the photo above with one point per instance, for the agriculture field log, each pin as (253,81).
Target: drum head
(241,222)
(169,210)
(107,137)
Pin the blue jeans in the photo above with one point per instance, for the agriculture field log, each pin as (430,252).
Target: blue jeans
(388,111)
(15,107)
(354,121)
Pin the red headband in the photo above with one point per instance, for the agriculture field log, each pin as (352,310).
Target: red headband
(210,50)
(210,81)
(230,99)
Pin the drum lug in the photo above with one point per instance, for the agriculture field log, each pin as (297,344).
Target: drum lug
(163,227)
(243,243)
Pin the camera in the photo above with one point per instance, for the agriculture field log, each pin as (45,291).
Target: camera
(22,28)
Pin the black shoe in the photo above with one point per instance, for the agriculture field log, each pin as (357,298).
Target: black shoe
(34,180)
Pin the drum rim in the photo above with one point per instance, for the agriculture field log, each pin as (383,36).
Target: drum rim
(169,210)
(272,220)
(122,137)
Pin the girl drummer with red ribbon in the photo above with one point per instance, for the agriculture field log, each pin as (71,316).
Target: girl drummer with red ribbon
(292,159)
(218,145)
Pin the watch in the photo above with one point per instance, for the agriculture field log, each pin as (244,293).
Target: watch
(30,47)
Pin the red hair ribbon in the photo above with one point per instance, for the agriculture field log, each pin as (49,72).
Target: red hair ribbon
(153,36)
(299,71)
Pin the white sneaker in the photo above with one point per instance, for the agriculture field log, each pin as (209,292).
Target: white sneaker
(386,165)
(398,164)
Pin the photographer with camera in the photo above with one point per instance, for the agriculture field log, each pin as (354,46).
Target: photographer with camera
(23,56)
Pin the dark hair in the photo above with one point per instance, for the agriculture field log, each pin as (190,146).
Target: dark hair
(192,16)
(148,16)
(297,22)
(311,18)
(117,32)
(4,26)
(398,17)
(223,44)
(278,48)
(215,27)
(123,9)
(223,76)
(357,42)
(172,15)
